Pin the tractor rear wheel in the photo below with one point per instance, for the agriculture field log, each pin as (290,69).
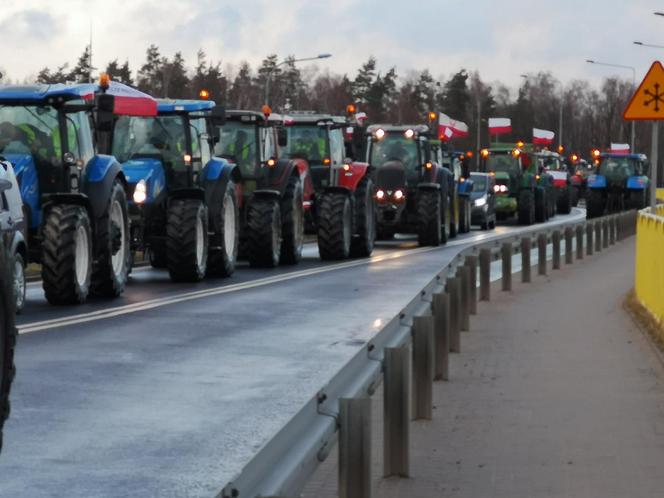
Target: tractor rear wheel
(157,258)
(222,252)
(67,254)
(564,200)
(292,222)
(541,206)
(637,199)
(362,243)
(429,215)
(526,207)
(455,217)
(187,240)
(464,215)
(594,203)
(263,233)
(7,337)
(335,226)
(111,265)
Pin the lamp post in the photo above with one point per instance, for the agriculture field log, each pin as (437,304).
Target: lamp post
(651,45)
(268,76)
(560,110)
(620,66)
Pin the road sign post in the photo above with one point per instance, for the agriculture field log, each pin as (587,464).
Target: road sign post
(647,104)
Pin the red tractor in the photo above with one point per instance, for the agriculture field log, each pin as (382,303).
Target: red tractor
(343,212)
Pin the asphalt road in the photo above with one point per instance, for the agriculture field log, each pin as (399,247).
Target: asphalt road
(170,390)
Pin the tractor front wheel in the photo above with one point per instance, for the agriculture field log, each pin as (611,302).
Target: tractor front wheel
(564,200)
(67,254)
(264,233)
(292,222)
(7,338)
(187,240)
(222,253)
(526,207)
(362,243)
(335,226)
(430,218)
(595,203)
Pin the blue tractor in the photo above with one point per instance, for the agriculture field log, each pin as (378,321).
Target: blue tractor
(620,183)
(75,197)
(183,206)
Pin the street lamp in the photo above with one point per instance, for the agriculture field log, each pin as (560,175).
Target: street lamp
(620,66)
(560,110)
(268,76)
(641,44)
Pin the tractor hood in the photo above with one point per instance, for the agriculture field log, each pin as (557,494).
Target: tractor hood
(20,162)
(391,176)
(150,170)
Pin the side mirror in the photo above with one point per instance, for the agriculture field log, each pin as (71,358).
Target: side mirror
(5,185)
(218,115)
(105,108)
(282,137)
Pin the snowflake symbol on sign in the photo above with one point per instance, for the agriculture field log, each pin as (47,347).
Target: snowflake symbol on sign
(655,97)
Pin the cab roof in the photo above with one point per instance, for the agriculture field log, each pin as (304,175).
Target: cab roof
(419,129)
(638,157)
(165,106)
(309,118)
(253,116)
(48,94)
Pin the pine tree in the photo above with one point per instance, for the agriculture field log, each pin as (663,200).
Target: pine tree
(365,79)
(150,74)
(82,72)
(119,73)
(243,89)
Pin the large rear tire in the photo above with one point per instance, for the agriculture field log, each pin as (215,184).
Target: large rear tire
(464,215)
(224,243)
(595,203)
(637,199)
(362,243)
(7,337)
(66,255)
(455,217)
(430,230)
(187,240)
(292,222)
(111,265)
(335,226)
(263,234)
(564,200)
(526,207)
(541,205)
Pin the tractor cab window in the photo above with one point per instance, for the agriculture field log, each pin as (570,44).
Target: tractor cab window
(308,142)
(200,141)
(31,130)
(395,147)
(237,142)
(269,143)
(79,136)
(162,137)
(505,163)
(617,168)
(337,148)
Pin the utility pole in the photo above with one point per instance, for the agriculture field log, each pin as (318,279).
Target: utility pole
(479,130)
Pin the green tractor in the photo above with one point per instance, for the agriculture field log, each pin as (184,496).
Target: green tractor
(521,189)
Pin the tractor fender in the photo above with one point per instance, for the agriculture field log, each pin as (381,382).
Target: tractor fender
(276,177)
(151,171)
(354,175)
(637,182)
(187,193)
(428,186)
(215,184)
(100,174)
(596,181)
(337,189)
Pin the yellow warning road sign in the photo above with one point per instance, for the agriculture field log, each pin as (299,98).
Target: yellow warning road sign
(647,103)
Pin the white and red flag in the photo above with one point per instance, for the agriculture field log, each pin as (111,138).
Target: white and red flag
(449,128)
(498,126)
(543,137)
(619,148)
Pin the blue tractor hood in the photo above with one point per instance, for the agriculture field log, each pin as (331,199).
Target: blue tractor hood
(28,181)
(150,170)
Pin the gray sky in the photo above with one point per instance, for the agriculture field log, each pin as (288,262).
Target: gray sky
(502,39)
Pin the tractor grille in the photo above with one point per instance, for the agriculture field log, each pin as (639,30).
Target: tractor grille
(391,176)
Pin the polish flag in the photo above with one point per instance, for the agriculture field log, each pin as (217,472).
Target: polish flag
(459,128)
(543,137)
(498,126)
(450,128)
(445,133)
(619,148)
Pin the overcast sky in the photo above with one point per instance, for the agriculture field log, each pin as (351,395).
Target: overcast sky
(502,39)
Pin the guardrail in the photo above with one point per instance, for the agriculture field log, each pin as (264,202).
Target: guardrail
(649,274)
(426,330)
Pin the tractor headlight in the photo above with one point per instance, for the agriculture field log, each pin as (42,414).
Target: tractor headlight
(480,202)
(380,194)
(398,195)
(140,192)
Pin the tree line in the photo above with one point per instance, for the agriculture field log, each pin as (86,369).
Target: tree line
(592,117)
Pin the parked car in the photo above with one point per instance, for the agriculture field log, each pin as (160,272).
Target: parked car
(15,238)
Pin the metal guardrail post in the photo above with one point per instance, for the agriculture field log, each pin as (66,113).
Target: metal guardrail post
(555,240)
(605,233)
(621,226)
(454,290)
(471,263)
(569,242)
(589,237)
(485,274)
(396,412)
(355,448)
(541,254)
(464,318)
(525,260)
(612,230)
(441,312)
(423,367)
(506,253)
(598,236)
(579,241)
